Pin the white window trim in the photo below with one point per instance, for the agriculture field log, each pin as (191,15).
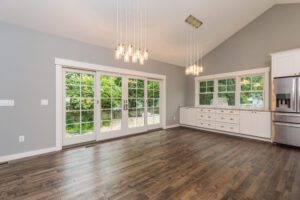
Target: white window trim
(236,75)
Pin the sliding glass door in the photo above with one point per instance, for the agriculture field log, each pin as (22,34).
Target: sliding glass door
(101,106)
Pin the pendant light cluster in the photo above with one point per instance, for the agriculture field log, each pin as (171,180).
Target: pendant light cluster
(131,31)
(193,53)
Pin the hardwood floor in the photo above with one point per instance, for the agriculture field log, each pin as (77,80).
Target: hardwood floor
(178,163)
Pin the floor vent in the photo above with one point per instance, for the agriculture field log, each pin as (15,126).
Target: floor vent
(88,146)
(5,163)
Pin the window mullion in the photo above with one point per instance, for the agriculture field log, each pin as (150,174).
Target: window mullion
(238,91)
(215,94)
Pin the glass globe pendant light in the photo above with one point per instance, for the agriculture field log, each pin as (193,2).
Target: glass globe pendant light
(134,58)
(131,19)
(192,50)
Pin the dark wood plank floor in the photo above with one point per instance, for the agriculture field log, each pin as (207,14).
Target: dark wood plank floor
(177,163)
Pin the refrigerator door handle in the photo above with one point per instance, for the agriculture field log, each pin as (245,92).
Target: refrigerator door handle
(286,124)
(298,94)
(294,95)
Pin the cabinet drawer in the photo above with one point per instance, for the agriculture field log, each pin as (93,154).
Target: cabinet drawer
(209,125)
(206,110)
(206,124)
(206,116)
(227,127)
(225,111)
(234,119)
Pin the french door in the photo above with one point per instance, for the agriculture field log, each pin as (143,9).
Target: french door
(101,106)
(79,104)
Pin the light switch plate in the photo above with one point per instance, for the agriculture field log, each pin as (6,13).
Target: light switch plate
(21,138)
(44,102)
(7,103)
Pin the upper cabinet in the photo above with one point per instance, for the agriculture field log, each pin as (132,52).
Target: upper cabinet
(286,63)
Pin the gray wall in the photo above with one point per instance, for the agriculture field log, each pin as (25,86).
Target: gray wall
(277,29)
(27,75)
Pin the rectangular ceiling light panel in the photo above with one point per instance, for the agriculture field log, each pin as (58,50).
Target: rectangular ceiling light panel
(193,21)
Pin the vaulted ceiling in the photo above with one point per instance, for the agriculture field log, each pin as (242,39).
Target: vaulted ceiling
(94,21)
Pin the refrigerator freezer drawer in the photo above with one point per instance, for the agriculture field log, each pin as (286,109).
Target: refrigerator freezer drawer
(287,133)
(287,117)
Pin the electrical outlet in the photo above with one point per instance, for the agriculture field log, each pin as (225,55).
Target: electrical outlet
(44,102)
(21,138)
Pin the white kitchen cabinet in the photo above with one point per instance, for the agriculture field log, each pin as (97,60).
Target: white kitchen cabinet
(239,122)
(188,116)
(286,63)
(234,128)
(226,118)
(255,123)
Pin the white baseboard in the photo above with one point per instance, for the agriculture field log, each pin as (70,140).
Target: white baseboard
(28,154)
(172,126)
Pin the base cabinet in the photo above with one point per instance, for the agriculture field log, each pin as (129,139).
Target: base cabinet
(252,123)
(255,123)
(188,116)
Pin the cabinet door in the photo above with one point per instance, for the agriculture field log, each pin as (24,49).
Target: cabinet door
(183,116)
(255,123)
(284,65)
(263,124)
(188,116)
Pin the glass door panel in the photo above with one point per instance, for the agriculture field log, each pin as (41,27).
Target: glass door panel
(136,103)
(153,103)
(110,103)
(78,106)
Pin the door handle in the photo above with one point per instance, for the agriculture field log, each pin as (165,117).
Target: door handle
(125,105)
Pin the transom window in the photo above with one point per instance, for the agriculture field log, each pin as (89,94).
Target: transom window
(252,91)
(206,93)
(226,92)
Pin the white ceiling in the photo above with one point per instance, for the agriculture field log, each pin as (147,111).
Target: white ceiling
(94,21)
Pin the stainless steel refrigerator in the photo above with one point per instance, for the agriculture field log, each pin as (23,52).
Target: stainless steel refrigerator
(287,112)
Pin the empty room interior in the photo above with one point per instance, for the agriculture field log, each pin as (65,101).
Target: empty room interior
(140,99)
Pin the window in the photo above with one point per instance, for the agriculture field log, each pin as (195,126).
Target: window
(153,92)
(226,92)
(206,94)
(111,103)
(252,91)
(79,103)
(239,89)
(136,103)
